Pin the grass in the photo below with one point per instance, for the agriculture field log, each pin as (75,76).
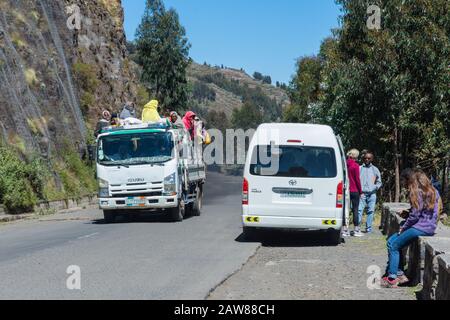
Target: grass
(113,8)
(35,15)
(87,100)
(30,77)
(86,78)
(17,142)
(46,212)
(19,16)
(17,41)
(37,126)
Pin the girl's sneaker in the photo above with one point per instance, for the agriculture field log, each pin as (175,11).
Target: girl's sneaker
(390,283)
(345,233)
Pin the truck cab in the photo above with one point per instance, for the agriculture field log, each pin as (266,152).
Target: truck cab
(148,168)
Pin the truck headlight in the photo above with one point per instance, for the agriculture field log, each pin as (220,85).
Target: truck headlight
(170,188)
(103,188)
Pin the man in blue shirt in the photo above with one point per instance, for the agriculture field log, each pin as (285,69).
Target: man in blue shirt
(370,183)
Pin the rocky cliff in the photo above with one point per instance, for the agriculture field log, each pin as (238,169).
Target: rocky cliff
(61,63)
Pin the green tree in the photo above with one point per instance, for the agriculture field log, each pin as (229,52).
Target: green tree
(247,117)
(163,52)
(258,76)
(267,80)
(304,90)
(387,89)
(217,120)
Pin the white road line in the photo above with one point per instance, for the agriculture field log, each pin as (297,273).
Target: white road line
(87,236)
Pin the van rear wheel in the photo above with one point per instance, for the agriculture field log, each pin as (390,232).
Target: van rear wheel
(335,237)
(249,233)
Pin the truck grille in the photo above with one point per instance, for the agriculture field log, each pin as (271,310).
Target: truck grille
(140,194)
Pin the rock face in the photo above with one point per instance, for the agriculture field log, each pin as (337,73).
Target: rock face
(61,63)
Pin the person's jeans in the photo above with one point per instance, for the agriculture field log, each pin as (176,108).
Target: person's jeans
(369,201)
(395,244)
(354,200)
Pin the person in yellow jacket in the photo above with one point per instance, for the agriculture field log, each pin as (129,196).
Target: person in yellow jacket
(150,112)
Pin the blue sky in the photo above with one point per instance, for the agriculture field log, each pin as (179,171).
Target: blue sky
(257,35)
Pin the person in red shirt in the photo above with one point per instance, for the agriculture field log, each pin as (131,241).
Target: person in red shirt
(355,189)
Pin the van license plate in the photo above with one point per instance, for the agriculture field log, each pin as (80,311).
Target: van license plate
(135,202)
(291,195)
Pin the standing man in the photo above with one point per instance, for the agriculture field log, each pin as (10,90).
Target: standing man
(370,183)
(355,190)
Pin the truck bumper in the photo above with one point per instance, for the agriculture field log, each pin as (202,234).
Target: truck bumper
(149,203)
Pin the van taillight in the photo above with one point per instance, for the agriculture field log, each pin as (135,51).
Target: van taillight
(245,192)
(340,195)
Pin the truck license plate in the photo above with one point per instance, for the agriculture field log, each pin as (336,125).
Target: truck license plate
(135,202)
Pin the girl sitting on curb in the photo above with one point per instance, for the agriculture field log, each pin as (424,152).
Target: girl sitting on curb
(422,221)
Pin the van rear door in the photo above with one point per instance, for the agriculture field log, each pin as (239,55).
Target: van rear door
(293,181)
(346,207)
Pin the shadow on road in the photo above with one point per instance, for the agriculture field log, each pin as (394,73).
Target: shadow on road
(288,238)
(140,218)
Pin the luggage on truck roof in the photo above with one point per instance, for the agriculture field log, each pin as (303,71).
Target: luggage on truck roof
(151,125)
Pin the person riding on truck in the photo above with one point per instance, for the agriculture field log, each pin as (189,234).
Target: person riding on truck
(189,123)
(128,111)
(150,112)
(175,120)
(104,122)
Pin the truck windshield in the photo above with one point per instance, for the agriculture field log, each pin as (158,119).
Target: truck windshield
(135,149)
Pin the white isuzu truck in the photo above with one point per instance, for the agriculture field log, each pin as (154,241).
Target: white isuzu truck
(149,167)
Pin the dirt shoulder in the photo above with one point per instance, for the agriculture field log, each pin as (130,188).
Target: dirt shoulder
(300,266)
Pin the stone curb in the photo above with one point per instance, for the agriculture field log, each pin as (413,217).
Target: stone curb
(60,206)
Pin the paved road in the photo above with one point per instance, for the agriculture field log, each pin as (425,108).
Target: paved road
(147,259)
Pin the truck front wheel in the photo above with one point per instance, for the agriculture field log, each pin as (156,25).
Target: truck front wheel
(198,203)
(177,214)
(109,216)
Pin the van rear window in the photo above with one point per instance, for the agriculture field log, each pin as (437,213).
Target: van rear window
(293,162)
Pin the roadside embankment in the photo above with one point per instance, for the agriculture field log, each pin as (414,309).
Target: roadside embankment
(427,260)
(45,208)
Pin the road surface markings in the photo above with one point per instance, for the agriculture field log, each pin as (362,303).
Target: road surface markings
(88,236)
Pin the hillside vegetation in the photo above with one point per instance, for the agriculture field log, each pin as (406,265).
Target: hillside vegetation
(225,90)
(54,83)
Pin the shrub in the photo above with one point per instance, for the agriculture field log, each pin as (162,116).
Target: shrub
(77,177)
(86,76)
(25,181)
(30,77)
(16,184)
(87,100)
